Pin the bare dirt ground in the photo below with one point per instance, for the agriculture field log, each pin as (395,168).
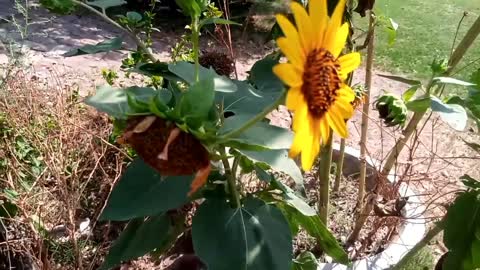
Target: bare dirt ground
(441,157)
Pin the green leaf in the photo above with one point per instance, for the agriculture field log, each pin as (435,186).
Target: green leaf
(134,17)
(410,92)
(141,192)
(475,253)
(392,31)
(61,7)
(470,182)
(454,115)
(262,76)
(290,198)
(104,46)
(315,227)
(114,101)
(186,71)
(262,174)
(448,80)
(197,101)
(462,221)
(216,21)
(137,239)
(419,104)
(189,7)
(104,4)
(401,79)
(261,134)
(255,236)
(305,261)
(279,161)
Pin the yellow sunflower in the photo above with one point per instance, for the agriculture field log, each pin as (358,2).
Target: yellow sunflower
(316,75)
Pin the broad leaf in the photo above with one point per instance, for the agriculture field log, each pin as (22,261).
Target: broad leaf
(401,79)
(315,227)
(104,4)
(410,92)
(261,134)
(279,161)
(134,17)
(305,261)
(255,236)
(454,115)
(189,7)
(139,237)
(462,222)
(419,104)
(104,46)
(448,80)
(141,192)
(197,101)
(262,76)
(114,101)
(186,71)
(216,21)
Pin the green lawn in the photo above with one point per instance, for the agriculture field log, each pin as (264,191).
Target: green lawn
(426,29)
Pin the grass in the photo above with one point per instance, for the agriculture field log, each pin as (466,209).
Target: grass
(426,30)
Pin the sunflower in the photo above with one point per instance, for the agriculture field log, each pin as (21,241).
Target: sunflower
(316,74)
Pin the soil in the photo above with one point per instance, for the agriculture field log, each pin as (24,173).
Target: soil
(440,159)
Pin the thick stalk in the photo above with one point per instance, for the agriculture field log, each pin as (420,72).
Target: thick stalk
(324,179)
(339,172)
(419,246)
(366,109)
(137,40)
(231,179)
(457,55)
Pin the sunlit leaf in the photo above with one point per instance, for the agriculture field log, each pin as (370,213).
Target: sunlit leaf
(255,236)
(104,46)
(448,80)
(454,115)
(137,239)
(407,95)
(142,192)
(419,104)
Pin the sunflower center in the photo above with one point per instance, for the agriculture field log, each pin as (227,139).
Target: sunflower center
(321,81)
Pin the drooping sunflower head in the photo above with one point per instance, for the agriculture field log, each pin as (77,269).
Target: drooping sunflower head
(315,74)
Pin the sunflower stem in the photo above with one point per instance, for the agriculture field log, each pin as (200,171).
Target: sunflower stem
(338,173)
(255,119)
(366,110)
(195,42)
(324,179)
(457,55)
(231,178)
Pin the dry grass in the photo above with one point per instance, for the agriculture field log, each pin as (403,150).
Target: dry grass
(56,158)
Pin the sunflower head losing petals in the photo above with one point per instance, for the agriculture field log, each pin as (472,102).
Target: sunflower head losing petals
(315,74)
(167,149)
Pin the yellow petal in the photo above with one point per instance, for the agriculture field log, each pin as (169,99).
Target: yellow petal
(340,39)
(319,14)
(307,151)
(333,25)
(324,130)
(300,117)
(309,156)
(293,54)
(286,72)
(304,25)
(336,122)
(345,108)
(294,98)
(301,139)
(348,63)
(346,93)
(289,31)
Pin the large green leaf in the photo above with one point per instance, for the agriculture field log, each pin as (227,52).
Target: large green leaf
(254,237)
(315,227)
(262,76)
(278,160)
(104,46)
(114,101)
(454,115)
(197,101)
(419,104)
(462,222)
(141,192)
(139,237)
(261,134)
(186,71)
(104,4)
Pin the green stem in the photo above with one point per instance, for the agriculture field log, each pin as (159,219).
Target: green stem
(457,55)
(324,179)
(195,43)
(420,245)
(137,40)
(255,119)
(339,172)
(231,178)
